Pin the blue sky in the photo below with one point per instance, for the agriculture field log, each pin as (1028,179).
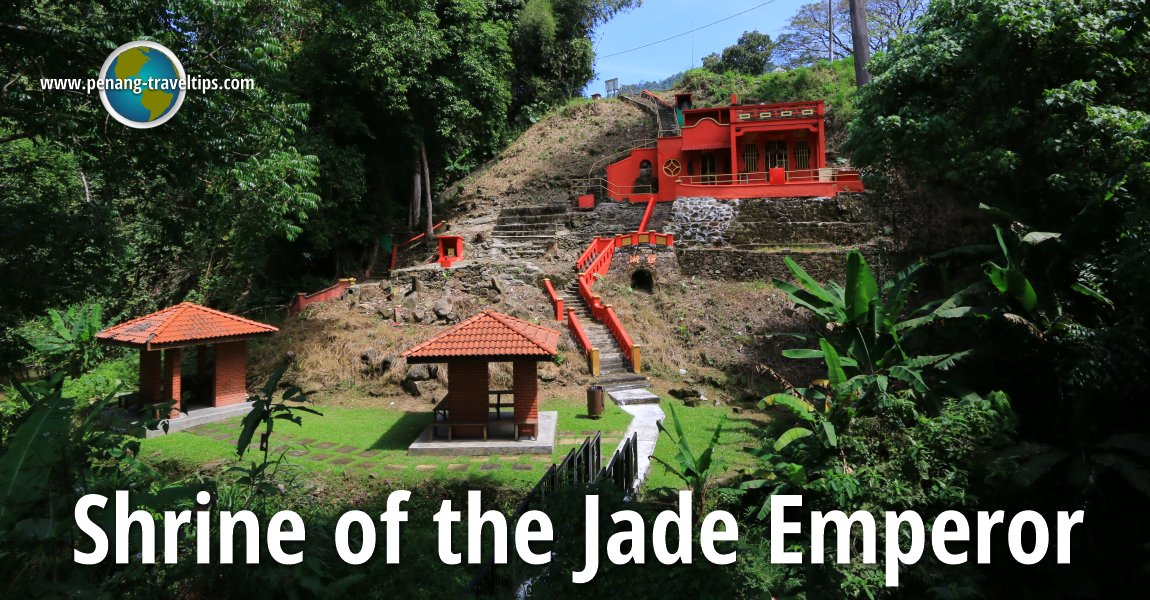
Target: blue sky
(658,19)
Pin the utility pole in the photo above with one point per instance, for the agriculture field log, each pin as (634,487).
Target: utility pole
(831,30)
(860,40)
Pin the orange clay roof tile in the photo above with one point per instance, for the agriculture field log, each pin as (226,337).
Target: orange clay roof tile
(182,323)
(489,334)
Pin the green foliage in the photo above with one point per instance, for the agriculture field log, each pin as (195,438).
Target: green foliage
(68,339)
(864,347)
(260,479)
(1051,143)
(884,430)
(56,451)
(695,469)
(751,55)
(829,81)
(110,376)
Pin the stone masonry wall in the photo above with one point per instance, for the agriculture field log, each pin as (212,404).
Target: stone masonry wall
(701,220)
(749,265)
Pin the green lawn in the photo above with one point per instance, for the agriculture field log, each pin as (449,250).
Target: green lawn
(375,440)
(699,424)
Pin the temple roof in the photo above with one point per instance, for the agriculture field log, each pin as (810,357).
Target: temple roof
(183,324)
(490,335)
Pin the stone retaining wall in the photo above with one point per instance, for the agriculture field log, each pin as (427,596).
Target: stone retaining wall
(749,265)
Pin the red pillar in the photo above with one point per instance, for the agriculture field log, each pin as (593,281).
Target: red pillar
(172,380)
(150,367)
(526,386)
(467,385)
(231,374)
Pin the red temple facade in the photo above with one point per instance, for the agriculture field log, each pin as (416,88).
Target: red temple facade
(736,151)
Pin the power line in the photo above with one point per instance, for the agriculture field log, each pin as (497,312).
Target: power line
(679,35)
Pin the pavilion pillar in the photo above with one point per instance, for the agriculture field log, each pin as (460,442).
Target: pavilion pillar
(467,386)
(172,380)
(231,385)
(150,367)
(526,385)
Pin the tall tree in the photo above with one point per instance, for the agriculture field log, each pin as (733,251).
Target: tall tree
(860,41)
(813,32)
(751,55)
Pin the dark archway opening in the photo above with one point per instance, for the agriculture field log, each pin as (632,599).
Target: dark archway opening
(642,281)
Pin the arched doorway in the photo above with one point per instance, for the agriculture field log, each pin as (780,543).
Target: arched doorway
(643,281)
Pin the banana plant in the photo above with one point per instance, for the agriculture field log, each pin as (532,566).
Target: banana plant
(70,338)
(807,453)
(865,325)
(696,470)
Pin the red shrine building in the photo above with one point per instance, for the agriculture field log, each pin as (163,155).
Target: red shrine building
(736,151)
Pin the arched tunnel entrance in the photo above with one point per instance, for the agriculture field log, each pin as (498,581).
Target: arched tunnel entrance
(642,281)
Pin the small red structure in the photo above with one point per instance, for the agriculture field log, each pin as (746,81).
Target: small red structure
(737,151)
(450,250)
(161,337)
(468,410)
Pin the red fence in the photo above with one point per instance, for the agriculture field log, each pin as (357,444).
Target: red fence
(584,341)
(556,301)
(647,215)
(594,263)
(395,248)
(302,300)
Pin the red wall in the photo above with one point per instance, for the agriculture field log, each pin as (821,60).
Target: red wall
(622,175)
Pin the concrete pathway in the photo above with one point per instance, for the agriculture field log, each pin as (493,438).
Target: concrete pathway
(644,423)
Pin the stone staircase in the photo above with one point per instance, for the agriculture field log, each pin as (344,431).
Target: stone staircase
(665,118)
(527,231)
(614,368)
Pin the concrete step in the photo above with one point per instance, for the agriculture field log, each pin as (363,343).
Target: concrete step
(521,235)
(537,209)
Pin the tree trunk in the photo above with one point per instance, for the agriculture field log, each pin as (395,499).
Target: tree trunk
(860,39)
(427,190)
(830,30)
(416,193)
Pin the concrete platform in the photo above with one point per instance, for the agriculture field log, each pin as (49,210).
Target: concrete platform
(199,415)
(629,396)
(424,445)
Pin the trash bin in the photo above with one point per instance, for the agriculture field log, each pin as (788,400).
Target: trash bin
(595,401)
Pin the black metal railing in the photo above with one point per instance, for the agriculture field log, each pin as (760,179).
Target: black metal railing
(582,465)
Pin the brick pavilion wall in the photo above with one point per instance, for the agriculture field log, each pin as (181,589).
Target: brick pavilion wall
(172,379)
(231,373)
(467,385)
(526,386)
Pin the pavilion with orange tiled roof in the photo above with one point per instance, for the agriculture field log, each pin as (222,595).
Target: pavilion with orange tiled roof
(161,337)
(467,349)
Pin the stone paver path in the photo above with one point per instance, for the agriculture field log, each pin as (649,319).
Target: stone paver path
(363,460)
(644,423)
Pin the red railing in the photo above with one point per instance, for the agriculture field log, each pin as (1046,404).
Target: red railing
(647,215)
(580,336)
(556,301)
(302,300)
(593,263)
(395,248)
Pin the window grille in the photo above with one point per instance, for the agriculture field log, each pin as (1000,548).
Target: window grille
(750,158)
(802,155)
